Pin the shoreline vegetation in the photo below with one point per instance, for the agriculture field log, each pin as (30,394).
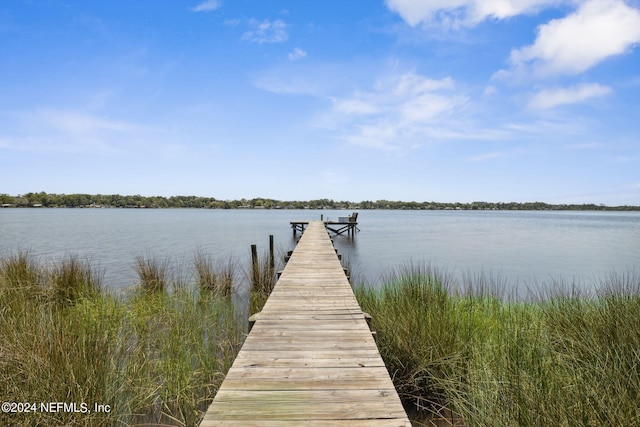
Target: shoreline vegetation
(154,355)
(564,357)
(157,353)
(45,200)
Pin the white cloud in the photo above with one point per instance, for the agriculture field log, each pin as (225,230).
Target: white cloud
(206,6)
(597,30)
(399,112)
(549,98)
(394,111)
(297,54)
(266,32)
(417,11)
(456,13)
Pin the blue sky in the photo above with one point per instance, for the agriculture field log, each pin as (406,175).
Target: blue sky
(456,100)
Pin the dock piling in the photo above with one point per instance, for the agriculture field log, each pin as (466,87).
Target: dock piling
(254,265)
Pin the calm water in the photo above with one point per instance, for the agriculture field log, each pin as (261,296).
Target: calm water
(521,248)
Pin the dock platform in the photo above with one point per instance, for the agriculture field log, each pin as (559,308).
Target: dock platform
(347,225)
(310,358)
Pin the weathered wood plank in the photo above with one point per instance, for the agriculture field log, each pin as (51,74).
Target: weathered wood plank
(312,325)
(315,316)
(258,345)
(307,356)
(301,405)
(283,360)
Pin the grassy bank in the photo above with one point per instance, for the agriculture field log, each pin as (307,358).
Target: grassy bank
(148,356)
(564,359)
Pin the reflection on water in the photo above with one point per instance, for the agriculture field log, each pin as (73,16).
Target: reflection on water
(521,248)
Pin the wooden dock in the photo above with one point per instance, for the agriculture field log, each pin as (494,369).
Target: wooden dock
(310,358)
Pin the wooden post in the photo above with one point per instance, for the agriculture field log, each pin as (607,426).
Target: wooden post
(272,262)
(254,265)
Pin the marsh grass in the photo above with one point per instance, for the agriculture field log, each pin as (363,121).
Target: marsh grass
(563,358)
(153,273)
(214,276)
(153,357)
(73,279)
(21,274)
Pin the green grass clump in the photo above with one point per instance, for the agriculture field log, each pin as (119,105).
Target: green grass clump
(566,359)
(20,274)
(22,279)
(73,279)
(152,357)
(152,273)
(213,276)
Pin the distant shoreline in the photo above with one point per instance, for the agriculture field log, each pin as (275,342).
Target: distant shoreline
(573,208)
(45,200)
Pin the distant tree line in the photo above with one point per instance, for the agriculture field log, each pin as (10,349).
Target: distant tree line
(47,200)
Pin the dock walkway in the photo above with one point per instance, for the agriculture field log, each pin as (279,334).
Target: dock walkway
(310,358)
